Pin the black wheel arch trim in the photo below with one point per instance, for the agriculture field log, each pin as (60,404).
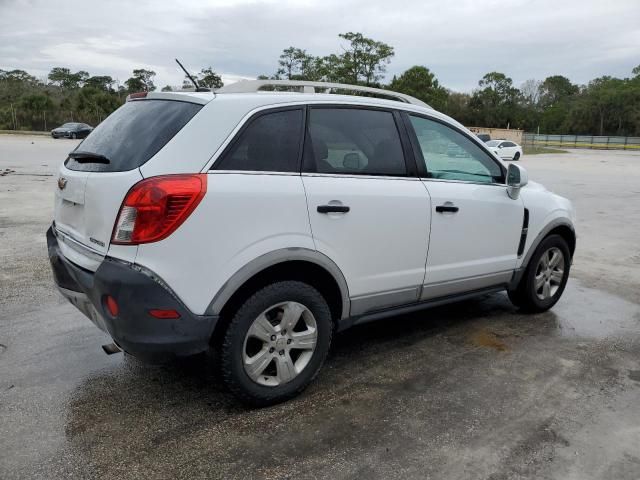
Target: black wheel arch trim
(270,259)
(544,232)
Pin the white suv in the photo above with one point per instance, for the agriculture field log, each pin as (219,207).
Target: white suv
(260,223)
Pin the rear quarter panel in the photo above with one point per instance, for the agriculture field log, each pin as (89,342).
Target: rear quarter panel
(191,149)
(242,217)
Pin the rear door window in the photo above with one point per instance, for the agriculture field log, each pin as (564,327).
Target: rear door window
(353,141)
(131,135)
(270,143)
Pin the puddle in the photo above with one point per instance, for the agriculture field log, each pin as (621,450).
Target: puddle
(487,339)
(582,312)
(587,312)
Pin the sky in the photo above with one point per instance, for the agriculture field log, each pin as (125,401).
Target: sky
(458,40)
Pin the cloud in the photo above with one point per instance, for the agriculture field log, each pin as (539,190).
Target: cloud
(460,41)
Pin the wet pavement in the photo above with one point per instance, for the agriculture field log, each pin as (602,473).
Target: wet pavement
(472,390)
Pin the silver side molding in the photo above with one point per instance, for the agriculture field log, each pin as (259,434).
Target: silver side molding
(376,301)
(443,289)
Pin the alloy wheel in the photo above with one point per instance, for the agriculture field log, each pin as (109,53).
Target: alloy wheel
(549,273)
(279,344)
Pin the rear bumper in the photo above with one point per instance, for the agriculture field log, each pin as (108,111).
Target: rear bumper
(136,292)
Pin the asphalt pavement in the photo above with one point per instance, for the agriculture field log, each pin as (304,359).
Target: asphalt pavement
(467,391)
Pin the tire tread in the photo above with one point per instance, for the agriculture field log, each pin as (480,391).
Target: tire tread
(523,296)
(235,328)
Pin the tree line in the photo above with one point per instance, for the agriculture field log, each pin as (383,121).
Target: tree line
(28,103)
(604,106)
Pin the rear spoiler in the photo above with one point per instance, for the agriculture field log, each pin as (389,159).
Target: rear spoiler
(201,98)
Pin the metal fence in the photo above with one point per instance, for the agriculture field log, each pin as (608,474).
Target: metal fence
(581,141)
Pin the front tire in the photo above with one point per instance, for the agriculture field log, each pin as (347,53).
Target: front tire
(546,276)
(516,157)
(276,343)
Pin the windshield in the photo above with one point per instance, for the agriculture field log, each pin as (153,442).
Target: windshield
(132,135)
(493,143)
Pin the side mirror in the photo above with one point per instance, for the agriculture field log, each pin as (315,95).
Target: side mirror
(516,179)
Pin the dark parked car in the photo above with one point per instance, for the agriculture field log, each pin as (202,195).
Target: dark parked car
(72,130)
(485,137)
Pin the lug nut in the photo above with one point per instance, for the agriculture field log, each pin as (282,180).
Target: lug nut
(271,350)
(288,341)
(273,338)
(281,352)
(284,332)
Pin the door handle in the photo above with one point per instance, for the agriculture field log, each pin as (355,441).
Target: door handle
(446,208)
(333,209)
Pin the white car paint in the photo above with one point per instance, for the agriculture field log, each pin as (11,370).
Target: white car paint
(391,241)
(86,209)
(478,240)
(504,149)
(242,217)
(365,242)
(545,208)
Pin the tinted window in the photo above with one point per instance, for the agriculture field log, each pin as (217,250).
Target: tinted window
(450,155)
(133,134)
(353,141)
(508,144)
(271,143)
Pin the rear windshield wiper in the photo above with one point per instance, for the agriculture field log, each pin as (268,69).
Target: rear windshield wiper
(88,157)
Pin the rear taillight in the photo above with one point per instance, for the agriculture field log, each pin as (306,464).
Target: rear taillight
(154,208)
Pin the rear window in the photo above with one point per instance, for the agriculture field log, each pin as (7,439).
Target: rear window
(131,135)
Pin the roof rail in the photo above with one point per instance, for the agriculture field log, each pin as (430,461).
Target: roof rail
(249,86)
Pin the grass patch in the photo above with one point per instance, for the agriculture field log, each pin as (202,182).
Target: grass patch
(527,150)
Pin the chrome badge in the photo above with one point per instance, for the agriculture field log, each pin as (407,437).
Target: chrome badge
(62,183)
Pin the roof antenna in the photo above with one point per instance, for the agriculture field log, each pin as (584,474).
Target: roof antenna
(193,80)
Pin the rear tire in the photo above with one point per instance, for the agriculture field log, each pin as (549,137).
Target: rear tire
(276,343)
(545,278)
(516,157)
